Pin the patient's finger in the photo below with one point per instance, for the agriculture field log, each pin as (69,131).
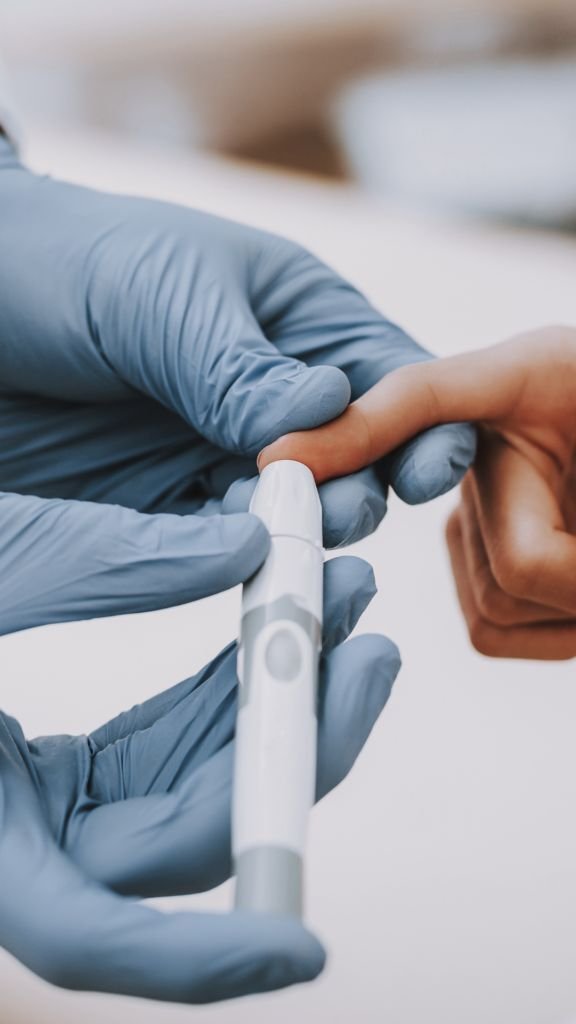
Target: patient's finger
(494,604)
(547,641)
(487,385)
(531,554)
(401,406)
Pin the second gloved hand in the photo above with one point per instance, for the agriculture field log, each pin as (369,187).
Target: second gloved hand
(141,807)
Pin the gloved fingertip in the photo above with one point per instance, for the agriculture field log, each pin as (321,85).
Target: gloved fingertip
(239,495)
(303,955)
(349,587)
(313,958)
(430,480)
(434,463)
(358,679)
(305,398)
(329,388)
(353,507)
(288,952)
(387,657)
(350,572)
(249,541)
(379,657)
(365,581)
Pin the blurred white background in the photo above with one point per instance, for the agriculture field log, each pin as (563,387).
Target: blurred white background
(267,78)
(442,873)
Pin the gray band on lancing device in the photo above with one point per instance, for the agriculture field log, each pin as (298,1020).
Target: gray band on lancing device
(253,622)
(270,879)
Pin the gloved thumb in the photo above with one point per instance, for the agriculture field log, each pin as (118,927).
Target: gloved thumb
(235,387)
(271,395)
(64,560)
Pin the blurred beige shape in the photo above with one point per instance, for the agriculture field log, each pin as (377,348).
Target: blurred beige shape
(253,77)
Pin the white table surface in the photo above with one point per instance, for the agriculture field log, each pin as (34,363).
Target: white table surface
(442,874)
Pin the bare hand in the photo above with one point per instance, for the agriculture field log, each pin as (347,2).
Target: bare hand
(512,538)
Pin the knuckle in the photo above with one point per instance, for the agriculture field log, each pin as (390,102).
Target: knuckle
(452,528)
(494,606)
(515,568)
(483,637)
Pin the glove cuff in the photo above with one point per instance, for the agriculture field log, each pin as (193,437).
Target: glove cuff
(8,154)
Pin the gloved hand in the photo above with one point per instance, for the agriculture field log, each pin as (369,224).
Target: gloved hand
(141,807)
(149,351)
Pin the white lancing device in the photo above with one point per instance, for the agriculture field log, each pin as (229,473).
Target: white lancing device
(278,658)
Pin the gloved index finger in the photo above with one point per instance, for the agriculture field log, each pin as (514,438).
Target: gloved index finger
(106,560)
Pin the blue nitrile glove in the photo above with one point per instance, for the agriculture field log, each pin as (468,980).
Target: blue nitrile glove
(149,351)
(141,807)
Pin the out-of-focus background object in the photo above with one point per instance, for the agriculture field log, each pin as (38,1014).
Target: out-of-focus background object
(496,139)
(278,82)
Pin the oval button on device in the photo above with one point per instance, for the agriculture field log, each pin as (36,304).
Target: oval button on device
(283,657)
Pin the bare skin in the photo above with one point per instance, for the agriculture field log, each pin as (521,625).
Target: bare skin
(512,539)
